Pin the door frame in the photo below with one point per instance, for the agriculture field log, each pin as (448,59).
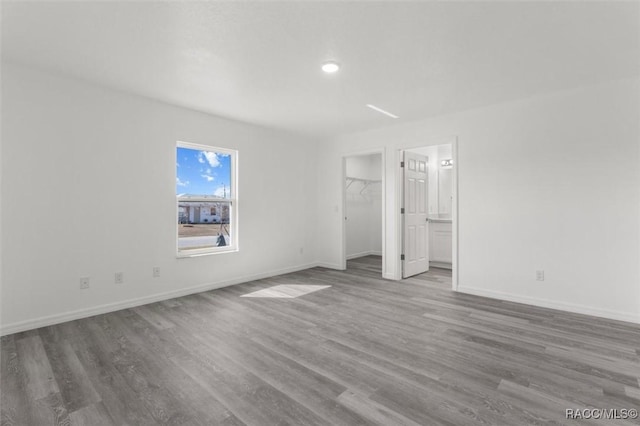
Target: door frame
(399,192)
(382,153)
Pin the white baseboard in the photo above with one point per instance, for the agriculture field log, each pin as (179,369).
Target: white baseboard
(363,254)
(329,266)
(30,324)
(552,304)
(16,327)
(442,265)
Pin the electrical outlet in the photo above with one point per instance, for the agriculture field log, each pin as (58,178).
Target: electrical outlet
(156,272)
(119,277)
(84,282)
(539,275)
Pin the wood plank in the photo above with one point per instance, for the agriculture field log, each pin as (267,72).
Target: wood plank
(374,412)
(94,415)
(94,348)
(158,321)
(50,410)
(157,351)
(14,401)
(76,388)
(40,378)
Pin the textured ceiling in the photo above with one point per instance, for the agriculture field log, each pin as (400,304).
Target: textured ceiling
(260,62)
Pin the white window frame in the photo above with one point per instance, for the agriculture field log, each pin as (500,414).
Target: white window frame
(232,200)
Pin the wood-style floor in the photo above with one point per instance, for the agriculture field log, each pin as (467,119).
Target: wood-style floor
(363,351)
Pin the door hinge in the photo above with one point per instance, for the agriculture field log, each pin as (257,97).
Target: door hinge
(402,210)
(402,257)
(402,164)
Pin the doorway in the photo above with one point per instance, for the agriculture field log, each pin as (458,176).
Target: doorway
(428,210)
(363,212)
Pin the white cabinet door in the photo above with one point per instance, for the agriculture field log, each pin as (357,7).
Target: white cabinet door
(416,223)
(440,242)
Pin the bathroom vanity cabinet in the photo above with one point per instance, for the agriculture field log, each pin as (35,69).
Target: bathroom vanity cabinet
(440,243)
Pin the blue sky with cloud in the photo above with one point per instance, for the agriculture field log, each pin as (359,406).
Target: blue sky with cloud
(200,172)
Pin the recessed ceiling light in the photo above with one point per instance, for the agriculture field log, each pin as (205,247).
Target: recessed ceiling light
(380,110)
(330,67)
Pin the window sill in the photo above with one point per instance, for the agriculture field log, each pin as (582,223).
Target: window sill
(194,253)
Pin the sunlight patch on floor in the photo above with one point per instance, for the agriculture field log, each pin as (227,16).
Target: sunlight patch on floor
(286,291)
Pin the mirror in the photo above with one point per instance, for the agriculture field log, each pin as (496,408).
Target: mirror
(445,190)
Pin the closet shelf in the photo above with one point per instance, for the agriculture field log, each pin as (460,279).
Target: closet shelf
(365,182)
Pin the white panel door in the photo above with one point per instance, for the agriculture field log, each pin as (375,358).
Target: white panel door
(416,218)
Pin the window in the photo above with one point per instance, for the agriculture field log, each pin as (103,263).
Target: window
(206,195)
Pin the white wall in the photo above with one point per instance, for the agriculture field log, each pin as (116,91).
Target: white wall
(76,158)
(364,206)
(550,182)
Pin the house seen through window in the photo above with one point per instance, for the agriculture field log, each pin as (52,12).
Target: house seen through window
(206,199)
